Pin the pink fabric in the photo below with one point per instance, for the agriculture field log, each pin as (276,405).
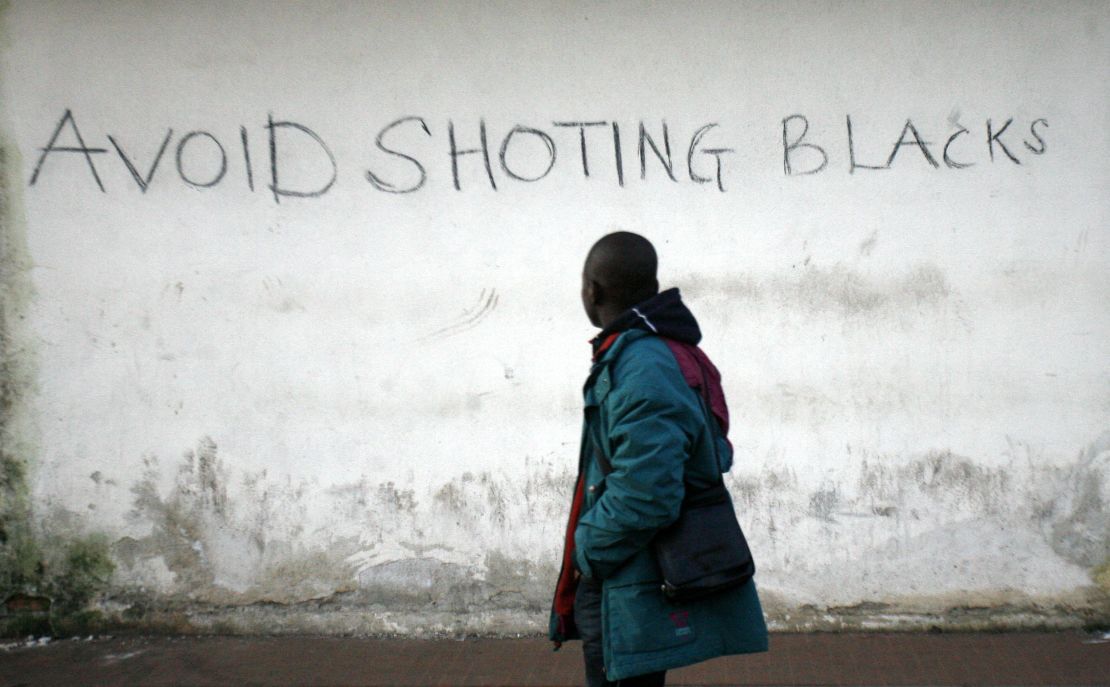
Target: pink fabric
(702,374)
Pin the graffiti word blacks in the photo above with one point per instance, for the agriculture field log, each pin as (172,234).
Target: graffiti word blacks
(801,156)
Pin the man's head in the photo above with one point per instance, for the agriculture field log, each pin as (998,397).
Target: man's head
(619,273)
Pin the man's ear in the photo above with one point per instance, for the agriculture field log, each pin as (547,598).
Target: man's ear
(595,292)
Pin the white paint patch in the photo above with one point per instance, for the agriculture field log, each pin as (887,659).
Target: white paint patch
(151,573)
(108,659)
(393,552)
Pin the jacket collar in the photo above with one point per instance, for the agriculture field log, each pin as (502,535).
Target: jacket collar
(664,314)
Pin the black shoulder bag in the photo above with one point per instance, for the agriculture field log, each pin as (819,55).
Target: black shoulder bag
(704,551)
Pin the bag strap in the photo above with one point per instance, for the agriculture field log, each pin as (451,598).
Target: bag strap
(703,398)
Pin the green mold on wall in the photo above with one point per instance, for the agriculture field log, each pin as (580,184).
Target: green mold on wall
(46,581)
(1101,576)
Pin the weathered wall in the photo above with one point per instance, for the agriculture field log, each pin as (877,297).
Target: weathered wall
(255,380)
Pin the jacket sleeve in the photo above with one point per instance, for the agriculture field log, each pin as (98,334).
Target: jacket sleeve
(651,419)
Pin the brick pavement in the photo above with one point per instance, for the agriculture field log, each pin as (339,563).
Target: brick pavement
(1066,658)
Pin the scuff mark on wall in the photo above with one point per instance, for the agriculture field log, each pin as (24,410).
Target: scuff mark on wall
(947,477)
(837,289)
(868,245)
(470,318)
(823,502)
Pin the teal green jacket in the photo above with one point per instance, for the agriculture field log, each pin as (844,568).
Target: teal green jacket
(650,426)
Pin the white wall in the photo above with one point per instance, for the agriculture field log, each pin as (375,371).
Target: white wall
(372,399)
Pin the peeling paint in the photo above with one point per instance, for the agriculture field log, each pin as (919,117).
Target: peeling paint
(1079,516)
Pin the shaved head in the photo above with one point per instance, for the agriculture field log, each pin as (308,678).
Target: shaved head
(620,271)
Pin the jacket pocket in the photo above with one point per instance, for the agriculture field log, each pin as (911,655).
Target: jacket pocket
(639,619)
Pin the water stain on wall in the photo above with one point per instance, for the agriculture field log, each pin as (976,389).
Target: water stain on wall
(836,289)
(218,550)
(234,552)
(824,502)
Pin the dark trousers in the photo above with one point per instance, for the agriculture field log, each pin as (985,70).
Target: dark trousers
(587,616)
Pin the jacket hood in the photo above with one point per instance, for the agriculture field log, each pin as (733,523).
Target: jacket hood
(664,314)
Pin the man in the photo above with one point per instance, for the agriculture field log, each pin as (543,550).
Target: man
(646,438)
